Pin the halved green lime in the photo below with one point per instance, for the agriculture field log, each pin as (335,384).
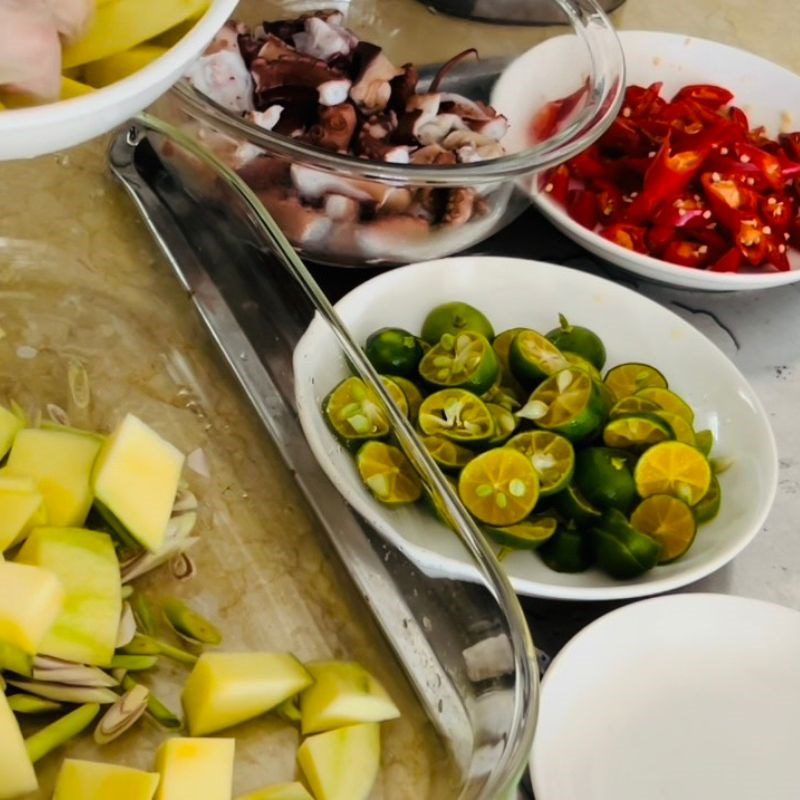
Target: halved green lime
(552,456)
(673,468)
(502,344)
(627,379)
(533,358)
(394,351)
(704,442)
(457,415)
(567,551)
(605,478)
(465,361)
(669,401)
(580,340)
(632,405)
(448,455)
(669,521)
(509,397)
(355,412)
(388,474)
(580,362)
(682,431)
(526,535)
(455,318)
(624,555)
(568,403)
(574,507)
(499,487)
(636,431)
(412,394)
(505,423)
(708,507)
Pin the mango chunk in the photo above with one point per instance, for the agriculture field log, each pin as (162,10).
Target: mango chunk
(342,764)
(136,478)
(343,693)
(90,780)
(195,769)
(121,65)
(279,791)
(71,88)
(86,563)
(123,24)
(21,508)
(225,689)
(16,771)
(60,461)
(10,425)
(31,600)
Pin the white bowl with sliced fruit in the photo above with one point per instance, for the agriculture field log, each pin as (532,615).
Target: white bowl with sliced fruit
(622,447)
(130,53)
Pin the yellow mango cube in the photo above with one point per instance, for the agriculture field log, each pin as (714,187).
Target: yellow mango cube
(342,764)
(31,600)
(136,478)
(86,563)
(343,693)
(195,769)
(225,689)
(90,780)
(60,461)
(120,65)
(10,425)
(16,771)
(279,791)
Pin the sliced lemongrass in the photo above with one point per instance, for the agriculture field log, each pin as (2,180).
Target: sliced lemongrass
(289,710)
(57,414)
(60,732)
(720,464)
(22,703)
(126,592)
(63,693)
(15,660)
(182,567)
(127,626)
(131,663)
(535,409)
(19,412)
(190,625)
(54,670)
(142,645)
(121,716)
(156,710)
(79,388)
(166,649)
(144,613)
(119,673)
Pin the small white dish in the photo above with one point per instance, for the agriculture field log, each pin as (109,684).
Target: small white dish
(693,696)
(29,132)
(767,92)
(515,292)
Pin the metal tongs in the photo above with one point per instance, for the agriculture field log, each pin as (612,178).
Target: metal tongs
(525,661)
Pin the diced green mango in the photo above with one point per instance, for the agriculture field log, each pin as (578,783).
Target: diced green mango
(86,563)
(136,478)
(225,689)
(10,425)
(16,771)
(343,693)
(60,461)
(279,791)
(195,769)
(90,780)
(31,600)
(21,508)
(342,764)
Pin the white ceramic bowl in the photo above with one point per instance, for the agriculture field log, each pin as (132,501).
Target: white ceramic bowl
(514,292)
(29,132)
(691,696)
(769,93)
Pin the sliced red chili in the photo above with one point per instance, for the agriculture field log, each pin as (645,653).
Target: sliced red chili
(582,207)
(610,202)
(686,254)
(790,142)
(794,233)
(631,237)
(685,211)
(732,261)
(778,211)
(768,164)
(546,121)
(589,165)
(643,101)
(728,200)
(739,118)
(777,254)
(556,183)
(751,240)
(622,136)
(705,94)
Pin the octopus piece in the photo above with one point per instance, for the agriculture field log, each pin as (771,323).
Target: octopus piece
(335,128)
(273,48)
(293,70)
(266,119)
(221,73)
(371,87)
(325,38)
(342,208)
(391,235)
(403,87)
(433,154)
(478,116)
(460,205)
(334,92)
(378,149)
(428,104)
(439,128)
(302,224)
(299,108)
(265,172)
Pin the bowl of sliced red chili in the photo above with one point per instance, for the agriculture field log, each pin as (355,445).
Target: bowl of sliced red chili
(696,183)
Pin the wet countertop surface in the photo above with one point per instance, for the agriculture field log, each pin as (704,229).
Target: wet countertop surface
(68,201)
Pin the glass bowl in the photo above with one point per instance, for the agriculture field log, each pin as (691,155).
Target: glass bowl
(345,210)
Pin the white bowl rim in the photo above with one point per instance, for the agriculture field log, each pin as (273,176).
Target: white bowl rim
(174,60)
(656,268)
(308,412)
